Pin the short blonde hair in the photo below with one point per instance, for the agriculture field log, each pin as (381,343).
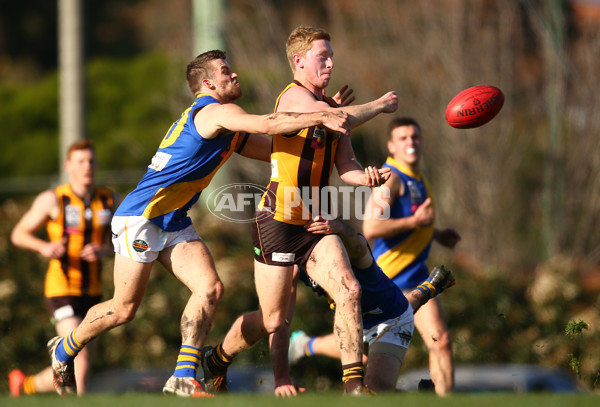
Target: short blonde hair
(300,41)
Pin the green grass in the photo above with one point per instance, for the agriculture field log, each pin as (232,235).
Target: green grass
(320,399)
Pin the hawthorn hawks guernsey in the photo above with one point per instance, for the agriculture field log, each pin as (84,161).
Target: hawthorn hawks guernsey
(403,257)
(79,223)
(301,164)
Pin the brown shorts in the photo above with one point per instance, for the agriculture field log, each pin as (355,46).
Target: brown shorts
(70,306)
(282,244)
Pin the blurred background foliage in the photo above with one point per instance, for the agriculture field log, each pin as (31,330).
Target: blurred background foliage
(523,191)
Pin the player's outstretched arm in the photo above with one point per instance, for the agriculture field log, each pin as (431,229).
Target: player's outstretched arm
(215,118)
(299,99)
(359,114)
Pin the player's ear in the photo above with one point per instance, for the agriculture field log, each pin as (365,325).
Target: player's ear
(391,147)
(207,83)
(67,166)
(298,60)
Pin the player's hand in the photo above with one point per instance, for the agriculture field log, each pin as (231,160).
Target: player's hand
(447,237)
(54,250)
(389,102)
(323,226)
(375,177)
(337,121)
(288,390)
(92,252)
(344,96)
(425,215)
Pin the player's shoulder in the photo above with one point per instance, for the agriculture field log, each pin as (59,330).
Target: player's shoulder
(394,182)
(45,202)
(105,192)
(48,195)
(222,109)
(212,119)
(298,98)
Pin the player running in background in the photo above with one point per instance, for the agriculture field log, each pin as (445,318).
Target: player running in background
(403,240)
(152,223)
(387,314)
(77,216)
(303,160)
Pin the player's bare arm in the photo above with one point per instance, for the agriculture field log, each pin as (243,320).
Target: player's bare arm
(299,99)
(374,227)
(216,118)
(376,224)
(359,114)
(44,208)
(352,172)
(257,147)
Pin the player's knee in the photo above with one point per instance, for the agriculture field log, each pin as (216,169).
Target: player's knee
(215,291)
(274,323)
(441,342)
(125,314)
(348,295)
(353,291)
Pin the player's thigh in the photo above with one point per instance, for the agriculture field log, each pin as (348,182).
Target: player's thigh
(329,266)
(273,286)
(430,321)
(130,280)
(191,262)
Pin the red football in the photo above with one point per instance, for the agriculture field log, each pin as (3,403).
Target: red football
(474,107)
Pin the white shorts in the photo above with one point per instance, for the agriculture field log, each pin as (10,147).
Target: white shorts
(138,239)
(392,336)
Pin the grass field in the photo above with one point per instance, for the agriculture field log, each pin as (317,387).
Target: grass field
(314,400)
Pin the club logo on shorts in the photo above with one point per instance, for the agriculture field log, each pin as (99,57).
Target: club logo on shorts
(257,251)
(139,246)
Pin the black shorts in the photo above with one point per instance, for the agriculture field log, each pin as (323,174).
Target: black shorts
(70,306)
(282,244)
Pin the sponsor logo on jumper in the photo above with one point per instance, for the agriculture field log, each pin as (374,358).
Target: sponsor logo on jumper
(160,161)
